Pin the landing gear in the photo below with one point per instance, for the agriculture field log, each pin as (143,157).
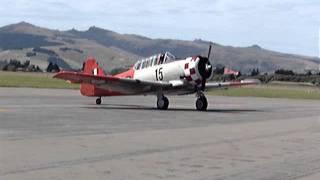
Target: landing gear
(162,102)
(98,101)
(201,103)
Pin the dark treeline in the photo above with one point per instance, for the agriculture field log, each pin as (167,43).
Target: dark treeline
(15,65)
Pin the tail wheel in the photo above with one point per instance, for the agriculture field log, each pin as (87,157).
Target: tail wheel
(98,101)
(202,103)
(163,103)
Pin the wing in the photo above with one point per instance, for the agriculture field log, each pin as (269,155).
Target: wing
(215,85)
(129,86)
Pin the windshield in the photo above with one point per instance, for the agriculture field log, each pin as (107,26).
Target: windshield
(169,57)
(154,60)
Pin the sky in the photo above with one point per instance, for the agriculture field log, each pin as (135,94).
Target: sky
(290,26)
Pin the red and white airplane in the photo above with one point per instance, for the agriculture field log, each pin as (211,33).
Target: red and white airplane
(158,75)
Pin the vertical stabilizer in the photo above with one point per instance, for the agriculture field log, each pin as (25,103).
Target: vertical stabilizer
(90,66)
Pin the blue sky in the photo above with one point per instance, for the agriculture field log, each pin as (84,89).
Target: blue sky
(290,26)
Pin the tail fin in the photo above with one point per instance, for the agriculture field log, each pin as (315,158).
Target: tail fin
(90,66)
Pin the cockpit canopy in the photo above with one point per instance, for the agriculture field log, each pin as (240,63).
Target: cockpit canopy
(154,60)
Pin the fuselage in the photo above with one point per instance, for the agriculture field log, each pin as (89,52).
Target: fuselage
(162,72)
(160,68)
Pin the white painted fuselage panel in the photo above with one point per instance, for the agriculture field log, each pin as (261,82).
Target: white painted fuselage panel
(164,72)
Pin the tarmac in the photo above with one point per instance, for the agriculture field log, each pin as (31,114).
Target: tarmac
(58,134)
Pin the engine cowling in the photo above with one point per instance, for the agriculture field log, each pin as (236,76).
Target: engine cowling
(197,69)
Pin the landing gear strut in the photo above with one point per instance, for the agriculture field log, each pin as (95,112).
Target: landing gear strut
(201,103)
(98,100)
(162,102)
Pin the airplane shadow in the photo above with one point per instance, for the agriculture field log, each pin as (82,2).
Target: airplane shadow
(148,108)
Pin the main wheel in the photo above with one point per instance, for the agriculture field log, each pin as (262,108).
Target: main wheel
(98,101)
(202,103)
(162,103)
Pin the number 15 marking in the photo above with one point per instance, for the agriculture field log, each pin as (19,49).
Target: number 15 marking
(159,74)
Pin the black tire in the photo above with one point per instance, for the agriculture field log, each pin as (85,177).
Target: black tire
(202,103)
(163,103)
(98,101)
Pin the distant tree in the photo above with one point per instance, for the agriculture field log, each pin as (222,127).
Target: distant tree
(59,61)
(309,73)
(255,72)
(15,63)
(38,69)
(3,64)
(30,68)
(284,72)
(49,67)
(56,68)
(52,67)
(10,67)
(26,64)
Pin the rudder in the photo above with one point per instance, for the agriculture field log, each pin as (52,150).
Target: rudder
(90,66)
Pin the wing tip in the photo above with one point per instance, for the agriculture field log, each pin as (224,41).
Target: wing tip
(60,74)
(57,75)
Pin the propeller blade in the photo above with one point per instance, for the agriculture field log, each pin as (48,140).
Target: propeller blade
(203,83)
(209,53)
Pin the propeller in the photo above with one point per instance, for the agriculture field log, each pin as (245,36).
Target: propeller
(209,53)
(207,68)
